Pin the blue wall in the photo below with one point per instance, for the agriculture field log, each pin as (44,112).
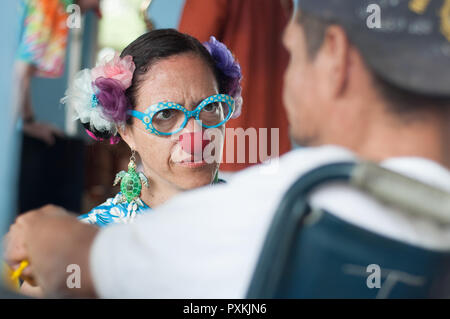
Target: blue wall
(9,33)
(45,96)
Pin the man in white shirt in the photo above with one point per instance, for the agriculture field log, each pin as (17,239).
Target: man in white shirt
(367,97)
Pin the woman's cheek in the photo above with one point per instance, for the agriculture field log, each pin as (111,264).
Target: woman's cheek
(154,151)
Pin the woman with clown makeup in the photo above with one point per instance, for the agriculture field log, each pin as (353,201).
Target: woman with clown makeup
(168,97)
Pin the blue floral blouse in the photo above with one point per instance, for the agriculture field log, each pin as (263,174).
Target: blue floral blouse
(114,211)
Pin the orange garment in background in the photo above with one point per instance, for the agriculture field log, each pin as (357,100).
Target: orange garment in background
(252,30)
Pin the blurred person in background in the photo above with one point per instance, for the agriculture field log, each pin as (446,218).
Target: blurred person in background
(42,52)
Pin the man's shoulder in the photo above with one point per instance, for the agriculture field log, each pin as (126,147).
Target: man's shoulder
(292,165)
(263,183)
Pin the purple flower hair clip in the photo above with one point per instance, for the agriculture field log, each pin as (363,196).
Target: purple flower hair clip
(229,69)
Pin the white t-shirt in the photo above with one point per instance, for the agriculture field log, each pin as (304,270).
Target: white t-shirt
(205,243)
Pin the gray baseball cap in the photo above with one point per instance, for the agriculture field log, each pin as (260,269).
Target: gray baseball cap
(405,42)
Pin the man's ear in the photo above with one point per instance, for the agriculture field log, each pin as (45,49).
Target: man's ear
(335,59)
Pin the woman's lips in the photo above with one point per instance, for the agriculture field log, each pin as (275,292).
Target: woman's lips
(181,158)
(192,164)
(193,161)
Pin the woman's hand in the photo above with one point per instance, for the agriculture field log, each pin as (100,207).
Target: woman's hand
(52,239)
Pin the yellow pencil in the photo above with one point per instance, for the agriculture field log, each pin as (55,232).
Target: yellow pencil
(16,274)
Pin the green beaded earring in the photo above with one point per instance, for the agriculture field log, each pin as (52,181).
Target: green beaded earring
(131,182)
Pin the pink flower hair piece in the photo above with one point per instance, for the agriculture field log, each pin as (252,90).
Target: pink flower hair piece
(120,69)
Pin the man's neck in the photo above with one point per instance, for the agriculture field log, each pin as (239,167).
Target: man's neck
(427,138)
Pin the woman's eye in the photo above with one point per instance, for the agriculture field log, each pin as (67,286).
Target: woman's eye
(165,114)
(211,107)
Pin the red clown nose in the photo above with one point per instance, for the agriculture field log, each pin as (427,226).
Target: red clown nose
(193,142)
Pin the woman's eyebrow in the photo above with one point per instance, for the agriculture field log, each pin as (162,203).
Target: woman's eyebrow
(195,104)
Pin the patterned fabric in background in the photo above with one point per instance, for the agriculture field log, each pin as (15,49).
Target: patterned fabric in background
(44,35)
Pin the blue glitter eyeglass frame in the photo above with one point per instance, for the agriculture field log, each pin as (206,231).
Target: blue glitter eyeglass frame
(147,116)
